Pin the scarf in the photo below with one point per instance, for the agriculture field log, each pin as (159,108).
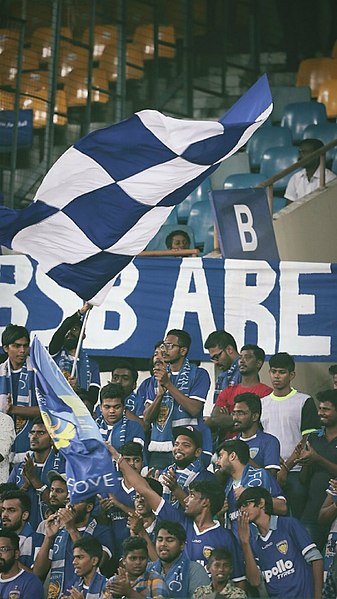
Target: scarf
(171,413)
(96,588)
(177,578)
(57,571)
(25,398)
(82,371)
(117,434)
(184,478)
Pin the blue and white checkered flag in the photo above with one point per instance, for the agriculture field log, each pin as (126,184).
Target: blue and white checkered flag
(107,196)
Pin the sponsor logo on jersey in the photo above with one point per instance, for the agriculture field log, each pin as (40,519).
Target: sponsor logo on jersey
(280,570)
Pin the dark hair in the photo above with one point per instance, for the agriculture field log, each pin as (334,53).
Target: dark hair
(210,490)
(11,536)
(184,337)
(169,238)
(173,528)
(6,487)
(237,446)
(252,400)
(13,332)
(315,144)
(282,360)
(221,339)
(25,502)
(257,351)
(134,543)
(329,395)
(131,448)
(219,553)
(127,365)
(112,391)
(156,486)
(333,369)
(38,420)
(90,545)
(256,494)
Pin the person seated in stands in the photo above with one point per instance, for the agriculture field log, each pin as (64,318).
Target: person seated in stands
(307,179)
(62,348)
(178,240)
(126,375)
(31,475)
(114,425)
(16,511)
(133,579)
(87,554)
(333,373)
(15,581)
(17,388)
(220,569)
(58,496)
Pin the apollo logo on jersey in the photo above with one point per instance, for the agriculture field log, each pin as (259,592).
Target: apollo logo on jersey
(280,570)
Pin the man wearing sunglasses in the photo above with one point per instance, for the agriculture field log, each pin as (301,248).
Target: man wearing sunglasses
(176,396)
(223,352)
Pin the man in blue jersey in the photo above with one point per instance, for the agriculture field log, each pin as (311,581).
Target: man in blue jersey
(114,425)
(223,352)
(16,509)
(264,448)
(175,397)
(87,556)
(126,375)
(14,581)
(290,562)
(204,501)
(234,460)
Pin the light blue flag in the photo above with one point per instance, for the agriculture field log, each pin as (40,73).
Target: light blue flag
(107,196)
(89,467)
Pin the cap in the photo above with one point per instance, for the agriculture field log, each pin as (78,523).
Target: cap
(188,431)
(54,475)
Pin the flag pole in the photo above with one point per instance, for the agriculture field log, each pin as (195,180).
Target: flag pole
(79,343)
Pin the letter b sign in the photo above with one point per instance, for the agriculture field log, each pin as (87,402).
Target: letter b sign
(245,222)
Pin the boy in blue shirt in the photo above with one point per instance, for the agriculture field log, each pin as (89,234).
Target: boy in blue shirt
(115,427)
(290,562)
(88,553)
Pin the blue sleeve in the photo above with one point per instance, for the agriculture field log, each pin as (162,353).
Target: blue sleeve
(34,588)
(136,431)
(271,456)
(150,390)
(95,378)
(299,535)
(201,385)
(167,512)
(273,486)
(238,572)
(103,534)
(12,476)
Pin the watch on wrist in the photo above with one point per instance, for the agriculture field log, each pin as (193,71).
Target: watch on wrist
(40,490)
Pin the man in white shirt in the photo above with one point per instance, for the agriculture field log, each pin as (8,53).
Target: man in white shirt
(307,180)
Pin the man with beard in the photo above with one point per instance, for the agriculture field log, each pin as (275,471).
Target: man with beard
(181,575)
(16,509)
(187,465)
(31,475)
(58,496)
(14,581)
(63,348)
(264,448)
(62,530)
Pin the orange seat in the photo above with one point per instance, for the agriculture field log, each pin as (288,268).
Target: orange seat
(314,71)
(34,80)
(9,60)
(38,103)
(327,94)
(144,37)
(42,41)
(134,62)
(76,87)
(72,57)
(104,35)
(9,39)
(6,100)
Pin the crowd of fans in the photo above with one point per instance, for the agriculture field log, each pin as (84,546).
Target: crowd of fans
(240,503)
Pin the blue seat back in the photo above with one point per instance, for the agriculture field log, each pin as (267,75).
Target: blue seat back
(158,242)
(238,163)
(278,204)
(209,241)
(172,219)
(297,116)
(264,138)
(243,180)
(275,160)
(284,94)
(197,195)
(200,219)
(326,132)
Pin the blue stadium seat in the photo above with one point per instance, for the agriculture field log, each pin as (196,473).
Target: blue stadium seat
(264,138)
(326,132)
(284,94)
(238,163)
(298,115)
(243,180)
(172,219)
(275,160)
(199,194)
(209,241)
(200,219)
(278,204)
(158,242)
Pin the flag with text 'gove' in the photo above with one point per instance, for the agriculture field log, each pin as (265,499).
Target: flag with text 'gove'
(89,467)
(107,196)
